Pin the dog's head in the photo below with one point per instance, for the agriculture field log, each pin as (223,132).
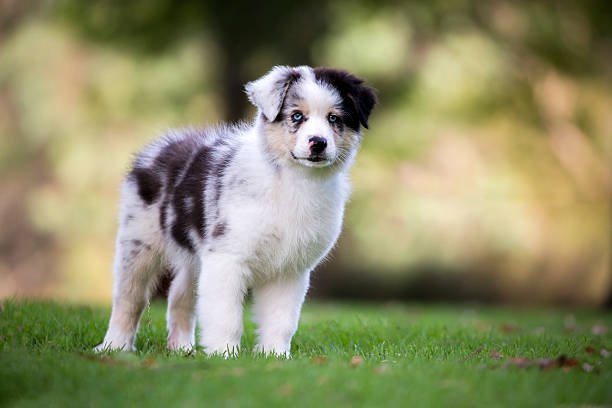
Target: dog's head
(311,117)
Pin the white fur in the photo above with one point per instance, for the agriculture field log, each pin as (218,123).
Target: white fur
(280,222)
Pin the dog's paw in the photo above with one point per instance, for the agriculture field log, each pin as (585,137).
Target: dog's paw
(109,346)
(273,350)
(180,342)
(224,350)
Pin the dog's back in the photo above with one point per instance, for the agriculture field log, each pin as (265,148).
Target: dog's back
(180,178)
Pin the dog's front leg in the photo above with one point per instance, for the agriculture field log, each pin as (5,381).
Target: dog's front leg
(221,290)
(276,311)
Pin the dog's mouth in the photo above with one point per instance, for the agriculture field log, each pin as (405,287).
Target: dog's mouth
(313,158)
(316,158)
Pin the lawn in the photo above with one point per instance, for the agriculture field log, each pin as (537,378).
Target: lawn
(416,355)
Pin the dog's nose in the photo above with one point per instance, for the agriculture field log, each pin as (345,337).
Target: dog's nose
(317,144)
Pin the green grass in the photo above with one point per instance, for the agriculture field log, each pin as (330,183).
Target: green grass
(413,355)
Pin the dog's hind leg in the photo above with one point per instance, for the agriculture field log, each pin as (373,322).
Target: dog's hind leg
(135,274)
(180,317)
(136,268)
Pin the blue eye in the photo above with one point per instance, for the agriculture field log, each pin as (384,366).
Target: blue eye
(297,116)
(332,118)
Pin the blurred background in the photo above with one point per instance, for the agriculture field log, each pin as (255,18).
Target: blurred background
(486,174)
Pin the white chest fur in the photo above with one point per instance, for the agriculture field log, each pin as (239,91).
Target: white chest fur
(293,224)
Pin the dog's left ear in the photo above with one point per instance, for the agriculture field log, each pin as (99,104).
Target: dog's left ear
(358,99)
(365,101)
(268,92)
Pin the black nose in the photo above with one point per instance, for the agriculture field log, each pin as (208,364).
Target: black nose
(317,144)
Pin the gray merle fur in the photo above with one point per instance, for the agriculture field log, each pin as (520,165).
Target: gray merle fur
(286,83)
(179,176)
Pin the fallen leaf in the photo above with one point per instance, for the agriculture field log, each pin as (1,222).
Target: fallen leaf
(319,360)
(496,354)
(587,367)
(323,380)
(519,361)
(99,358)
(604,353)
(150,363)
(545,363)
(108,360)
(590,349)
(509,328)
(564,362)
(380,370)
(599,330)
(356,360)
(567,362)
(274,365)
(475,353)
(88,356)
(285,390)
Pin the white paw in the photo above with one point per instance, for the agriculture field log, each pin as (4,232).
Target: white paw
(225,350)
(273,350)
(180,341)
(114,345)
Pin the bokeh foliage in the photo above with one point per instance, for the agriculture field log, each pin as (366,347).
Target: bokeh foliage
(486,172)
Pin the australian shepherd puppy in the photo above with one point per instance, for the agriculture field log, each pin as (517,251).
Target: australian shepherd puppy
(230,208)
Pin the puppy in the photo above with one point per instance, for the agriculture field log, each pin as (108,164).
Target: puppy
(236,207)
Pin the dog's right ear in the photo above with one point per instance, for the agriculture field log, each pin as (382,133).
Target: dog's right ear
(268,92)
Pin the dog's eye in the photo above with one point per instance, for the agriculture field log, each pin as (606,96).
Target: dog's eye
(297,116)
(332,118)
